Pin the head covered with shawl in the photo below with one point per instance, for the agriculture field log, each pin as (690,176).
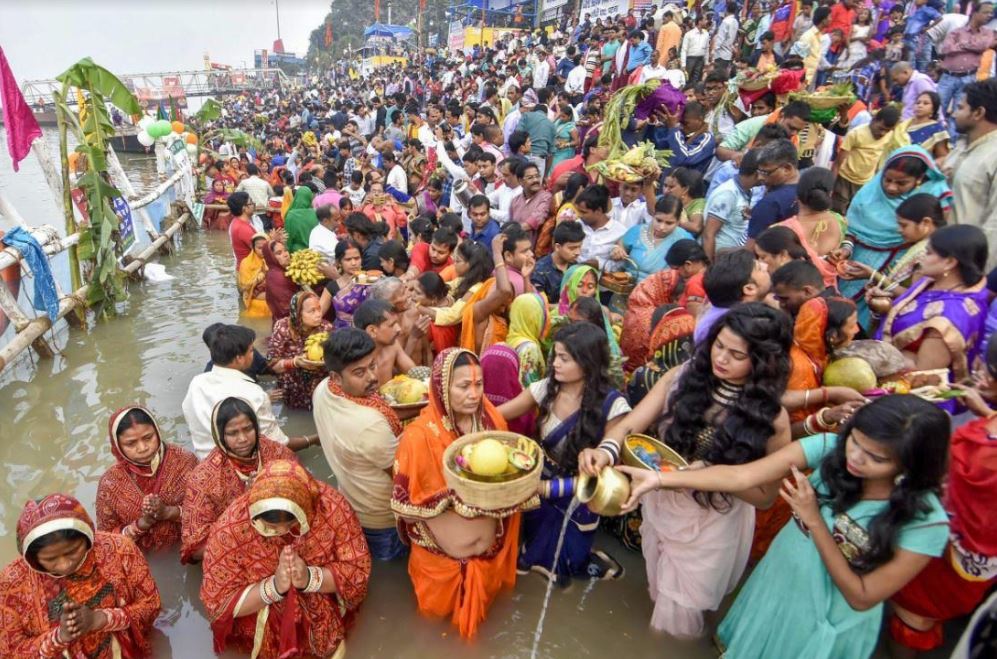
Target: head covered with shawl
(280,287)
(250,269)
(51,514)
(247,461)
(440,382)
(529,320)
(500,370)
(128,418)
(301,207)
(570,292)
(295,311)
(282,489)
(872,213)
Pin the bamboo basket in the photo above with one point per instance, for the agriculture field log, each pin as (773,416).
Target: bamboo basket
(492,495)
(619,288)
(667,454)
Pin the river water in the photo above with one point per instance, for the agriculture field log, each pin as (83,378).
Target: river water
(53,425)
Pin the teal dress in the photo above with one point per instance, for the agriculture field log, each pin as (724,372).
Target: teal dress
(792,586)
(562,131)
(646,258)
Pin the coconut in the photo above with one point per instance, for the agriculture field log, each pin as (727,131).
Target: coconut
(852,372)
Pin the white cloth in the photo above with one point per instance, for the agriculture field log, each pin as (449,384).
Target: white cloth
(695,43)
(946,24)
(694,557)
(259,192)
(648,72)
(599,243)
(207,389)
(632,215)
(723,46)
(501,202)
(398,179)
(541,73)
(575,82)
(323,241)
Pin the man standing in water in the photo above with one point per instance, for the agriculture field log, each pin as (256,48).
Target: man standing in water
(359,432)
(241,230)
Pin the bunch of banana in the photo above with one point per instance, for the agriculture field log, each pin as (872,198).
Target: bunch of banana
(618,171)
(303,269)
(313,346)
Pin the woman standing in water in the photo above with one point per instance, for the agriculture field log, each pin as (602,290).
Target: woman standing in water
(74,592)
(868,520)
(140,495)
(462,556)
(576,403)
(285,568)
(722,407)
(227,471)
(297,380)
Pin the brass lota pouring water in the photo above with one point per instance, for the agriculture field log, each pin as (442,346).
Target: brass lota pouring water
(604,494)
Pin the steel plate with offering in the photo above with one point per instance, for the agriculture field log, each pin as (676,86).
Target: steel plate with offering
(645,452)
(493,470)
(403,392)
(367,278)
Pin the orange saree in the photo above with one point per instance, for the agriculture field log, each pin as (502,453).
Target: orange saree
(476,336)
(660,288)
(462,589)
(113,578)
(213,485)
(238,557)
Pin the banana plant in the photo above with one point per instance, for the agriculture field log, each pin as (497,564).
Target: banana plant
(99,241)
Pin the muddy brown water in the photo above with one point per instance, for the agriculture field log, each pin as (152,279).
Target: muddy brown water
(53,425)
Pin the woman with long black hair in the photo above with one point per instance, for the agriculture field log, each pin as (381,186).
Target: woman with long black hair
(868,520)
(575,405)
(721,407)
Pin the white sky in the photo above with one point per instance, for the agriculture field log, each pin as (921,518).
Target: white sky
(42,38)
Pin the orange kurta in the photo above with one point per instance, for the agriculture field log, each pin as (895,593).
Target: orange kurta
(120,493)
(211,487)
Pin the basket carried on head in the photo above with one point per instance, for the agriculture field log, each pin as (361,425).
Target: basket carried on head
(517,493)
(621,283)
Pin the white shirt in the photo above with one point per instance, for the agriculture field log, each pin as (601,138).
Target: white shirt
(259,192)
(323,241)
(398,179)
(575,82)
(207,389)
(632,215)
(648,72)
(676,78)
(501,201)
(541,73)
(599,243)
(946,24)
(723,47)
(695,43)
(427,136)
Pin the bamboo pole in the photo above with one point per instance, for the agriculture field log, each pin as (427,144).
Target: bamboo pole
(141,202)
(51,172)
(50,241)
(39,326)
(147,253)
(22,322)
(67,199)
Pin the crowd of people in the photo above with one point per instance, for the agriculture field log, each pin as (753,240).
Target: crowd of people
(467,237)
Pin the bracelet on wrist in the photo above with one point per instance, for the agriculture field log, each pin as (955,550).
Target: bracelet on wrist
(315,578)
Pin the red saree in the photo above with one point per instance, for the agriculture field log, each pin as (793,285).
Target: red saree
(113,578)
(462,589)
(213,485)
(658,289)
(238,558)
(125,484)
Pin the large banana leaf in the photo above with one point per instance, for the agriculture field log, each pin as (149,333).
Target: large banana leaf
(210,111)
(86,74)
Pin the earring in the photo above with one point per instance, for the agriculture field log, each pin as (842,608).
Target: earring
(899,479)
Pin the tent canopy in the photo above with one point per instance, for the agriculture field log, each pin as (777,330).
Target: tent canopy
(389,31)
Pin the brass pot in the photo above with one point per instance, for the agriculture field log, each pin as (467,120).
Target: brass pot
(880,304)
(604,494)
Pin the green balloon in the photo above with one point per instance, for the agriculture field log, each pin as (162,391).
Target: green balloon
(162,128)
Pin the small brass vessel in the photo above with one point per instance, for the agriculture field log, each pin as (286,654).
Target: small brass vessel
(604,494)
(880,304)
